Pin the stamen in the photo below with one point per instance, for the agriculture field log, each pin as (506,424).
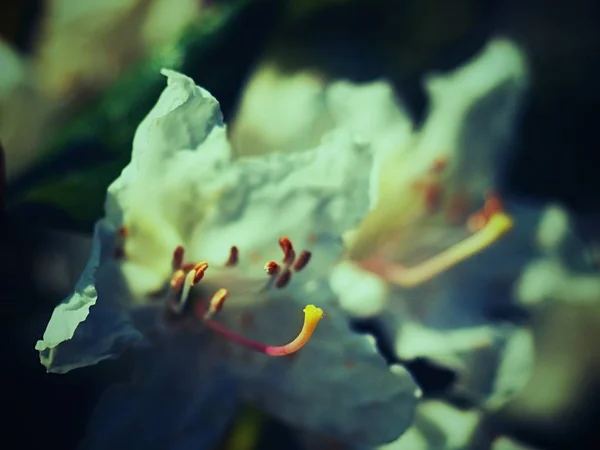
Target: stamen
(182,281)
(312,316)
(291,264)
(288,250)
(272,268)
(199,270)
(283,279)
(177,280)
(188,283)
(233,257)
(178,255)
(302,261)
(498,225)
(216,303)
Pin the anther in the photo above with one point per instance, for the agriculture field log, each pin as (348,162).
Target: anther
(302,261)
(289,255)
(233,257)
(177,280)
(216,303)
(199,270)
(178,255)
(272,268)
(183,280)
(283,279)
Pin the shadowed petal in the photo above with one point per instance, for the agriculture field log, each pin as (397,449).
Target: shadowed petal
(179,399)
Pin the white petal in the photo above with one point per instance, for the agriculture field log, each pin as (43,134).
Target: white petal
(360,293)
(337,384)
(312,197)
(178,399)
(90,325)
(183,117)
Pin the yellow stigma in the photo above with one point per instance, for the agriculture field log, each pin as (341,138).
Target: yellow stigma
(312,314)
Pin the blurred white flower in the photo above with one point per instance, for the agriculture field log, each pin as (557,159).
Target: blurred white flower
(560,272)
(439,426)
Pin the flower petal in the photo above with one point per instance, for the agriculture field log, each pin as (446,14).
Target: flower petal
(312,197)
(83,331)
(178,399)
(337,384)
(183,117)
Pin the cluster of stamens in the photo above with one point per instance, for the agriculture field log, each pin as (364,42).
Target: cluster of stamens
(187,275)
(280,275)
(487,225)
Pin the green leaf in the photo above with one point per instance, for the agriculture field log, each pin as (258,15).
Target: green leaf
(79,194)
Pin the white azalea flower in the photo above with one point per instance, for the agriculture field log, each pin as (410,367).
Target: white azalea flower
(187,226)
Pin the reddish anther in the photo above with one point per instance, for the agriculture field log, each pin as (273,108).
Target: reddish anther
(272,268)
(302,261)
(285,244)
(199,270)
(234,255)
(283,279)
(288,250)
(178,255)
(177,280)
(216,302)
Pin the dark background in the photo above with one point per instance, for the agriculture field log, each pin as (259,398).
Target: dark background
(557,157)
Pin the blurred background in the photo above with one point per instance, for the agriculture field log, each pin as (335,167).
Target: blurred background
(77,77)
